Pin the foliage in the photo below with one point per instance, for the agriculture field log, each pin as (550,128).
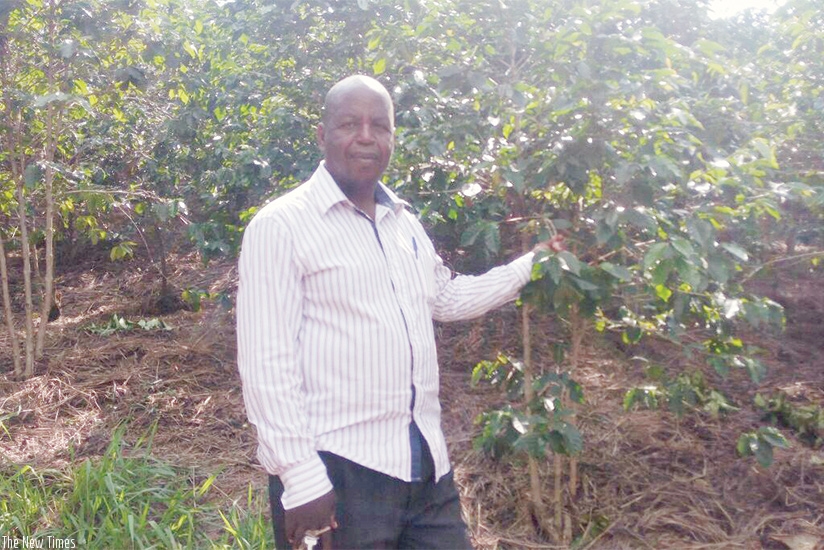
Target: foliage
(761,444)
(126,500)
(807,421)
(194,298)
(121,324)
(543,425)
(687,390)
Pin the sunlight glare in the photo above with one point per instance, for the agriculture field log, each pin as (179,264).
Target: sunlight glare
(720,9)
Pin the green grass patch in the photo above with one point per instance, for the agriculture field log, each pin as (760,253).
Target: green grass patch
(130,501)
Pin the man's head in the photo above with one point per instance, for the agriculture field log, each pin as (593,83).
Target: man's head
(357,131)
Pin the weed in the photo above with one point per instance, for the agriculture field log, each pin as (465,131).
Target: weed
(807,421)
(121,324)
(686,391)
(126,501)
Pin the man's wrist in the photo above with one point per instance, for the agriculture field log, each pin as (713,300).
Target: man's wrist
(304,483)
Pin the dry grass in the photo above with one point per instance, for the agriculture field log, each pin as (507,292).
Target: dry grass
(648,478)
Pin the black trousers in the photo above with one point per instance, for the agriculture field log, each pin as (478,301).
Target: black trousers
(378,511)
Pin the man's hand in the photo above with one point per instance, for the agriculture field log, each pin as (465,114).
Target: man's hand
(554,244)
(312,516)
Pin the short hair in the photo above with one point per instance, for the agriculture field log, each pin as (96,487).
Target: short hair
(349,83)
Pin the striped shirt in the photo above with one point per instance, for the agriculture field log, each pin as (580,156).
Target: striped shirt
(336,344)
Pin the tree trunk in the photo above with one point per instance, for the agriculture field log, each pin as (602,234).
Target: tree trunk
(577,327)
(164,270)
(24,240)
(52,133)
(53,130)
(539,510)
(4,275)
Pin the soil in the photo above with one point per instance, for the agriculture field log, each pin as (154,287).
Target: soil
(648,478)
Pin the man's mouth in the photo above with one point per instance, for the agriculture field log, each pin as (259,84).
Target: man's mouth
(365,156)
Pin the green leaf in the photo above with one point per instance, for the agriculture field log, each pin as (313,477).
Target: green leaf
(630,398)
(573,442)
(756,369)
(153,324)
(701,231)
(655,254)
(569,262)
(684,247)
(565,295)
(619,272)
(379,67)
(663,292)
(745,444)
(719,269)
(632,335)
(763,453)
(766,151)
(584,284)
(640,219)
(492,238)
(720,365)
(554,269)
(471,234)
(736,251)
(190,49)
(690,275)
(774,437)
(576,392)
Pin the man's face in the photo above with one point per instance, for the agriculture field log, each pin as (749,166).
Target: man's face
(357,137)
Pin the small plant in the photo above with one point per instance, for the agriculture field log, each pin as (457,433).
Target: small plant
(121,324)
(686,391)
(761,443)
(807,421)
(122,251)
(543,425)
(195,297)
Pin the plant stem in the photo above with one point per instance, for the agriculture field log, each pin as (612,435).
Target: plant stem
(558,467)
(4,274)
(577,328)
(53,129)
(24,240)
(817,253)
(529,394)
(536,492)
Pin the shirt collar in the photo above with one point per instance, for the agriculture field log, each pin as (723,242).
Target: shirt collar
(329,194)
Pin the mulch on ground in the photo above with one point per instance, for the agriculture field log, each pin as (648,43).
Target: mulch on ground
(648,479)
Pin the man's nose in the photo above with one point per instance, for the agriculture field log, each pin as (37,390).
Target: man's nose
(366,132)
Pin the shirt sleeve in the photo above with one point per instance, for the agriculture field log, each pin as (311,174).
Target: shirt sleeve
(464,297)
(269,316)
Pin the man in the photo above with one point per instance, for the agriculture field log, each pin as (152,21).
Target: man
(339,285)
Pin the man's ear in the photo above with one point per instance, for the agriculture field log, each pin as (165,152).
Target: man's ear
(320,137)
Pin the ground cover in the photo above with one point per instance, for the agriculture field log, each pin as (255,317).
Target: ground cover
(649,478)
